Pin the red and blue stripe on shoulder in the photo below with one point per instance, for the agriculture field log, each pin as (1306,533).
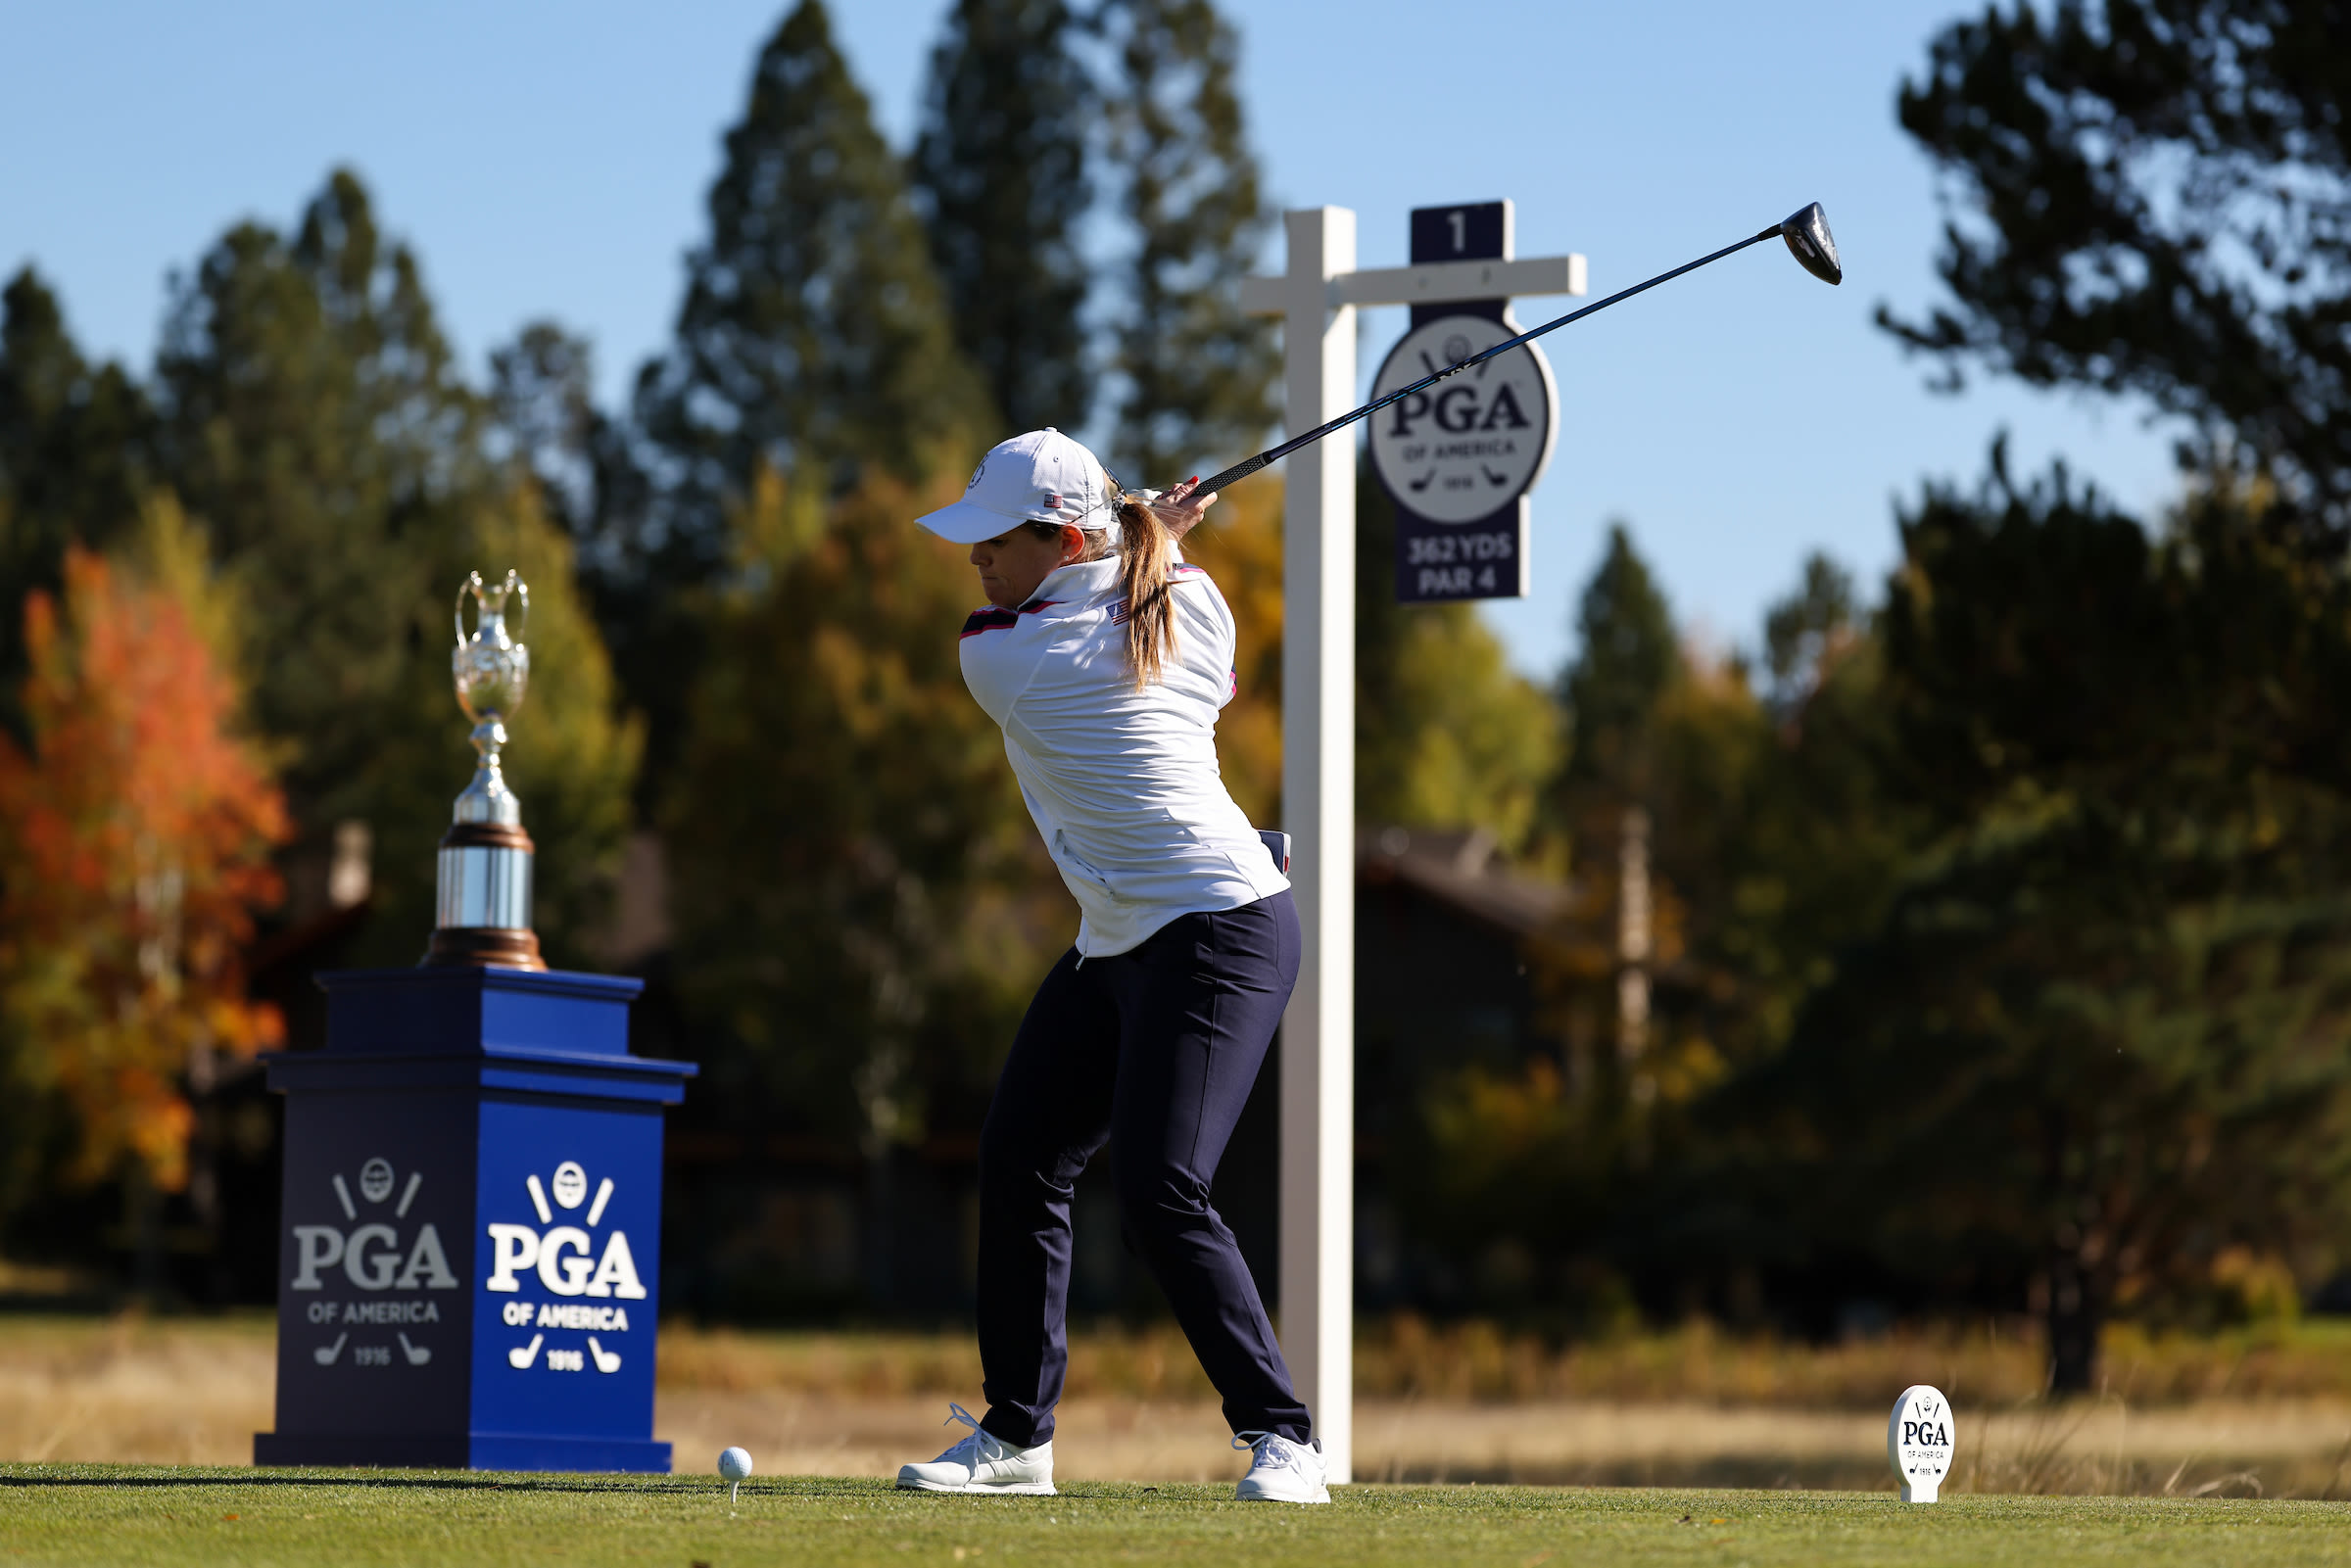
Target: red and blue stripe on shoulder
(992,618)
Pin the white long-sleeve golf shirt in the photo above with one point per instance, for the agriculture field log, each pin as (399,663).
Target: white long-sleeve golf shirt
(1124,785)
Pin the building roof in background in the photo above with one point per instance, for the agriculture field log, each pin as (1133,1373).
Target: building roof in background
(1461,868)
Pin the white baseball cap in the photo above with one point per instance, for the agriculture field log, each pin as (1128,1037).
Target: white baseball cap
(1041,477)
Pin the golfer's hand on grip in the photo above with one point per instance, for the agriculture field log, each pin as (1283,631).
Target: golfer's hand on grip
(1180,509)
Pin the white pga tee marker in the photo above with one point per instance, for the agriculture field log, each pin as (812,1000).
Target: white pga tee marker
(1919,1440)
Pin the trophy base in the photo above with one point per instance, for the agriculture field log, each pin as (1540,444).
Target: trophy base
(483,947)
(482,901)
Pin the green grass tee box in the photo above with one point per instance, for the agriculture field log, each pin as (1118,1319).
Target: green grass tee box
(138,1516)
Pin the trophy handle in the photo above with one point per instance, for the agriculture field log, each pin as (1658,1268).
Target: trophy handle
(472,584)
(522,591)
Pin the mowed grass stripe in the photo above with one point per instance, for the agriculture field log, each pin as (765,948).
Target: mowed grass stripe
(78,1514)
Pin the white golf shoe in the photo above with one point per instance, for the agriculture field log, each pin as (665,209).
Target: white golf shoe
(1281,1471)
(983,1462)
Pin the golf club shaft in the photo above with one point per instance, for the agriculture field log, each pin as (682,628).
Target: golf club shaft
(1250,465)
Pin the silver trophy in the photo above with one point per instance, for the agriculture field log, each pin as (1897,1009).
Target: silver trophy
(482,904)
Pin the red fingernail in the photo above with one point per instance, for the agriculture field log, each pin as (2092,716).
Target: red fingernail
(1194,480)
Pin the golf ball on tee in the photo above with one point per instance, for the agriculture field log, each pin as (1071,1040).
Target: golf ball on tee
(735,1465)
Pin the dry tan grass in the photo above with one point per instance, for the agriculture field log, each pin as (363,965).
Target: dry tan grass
(1989,1364)
(1408,1358)
(129,1388)
(194,1392)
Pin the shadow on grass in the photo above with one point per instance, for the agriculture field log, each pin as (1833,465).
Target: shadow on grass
(418,1483)
(1725,1472)
(781,1487)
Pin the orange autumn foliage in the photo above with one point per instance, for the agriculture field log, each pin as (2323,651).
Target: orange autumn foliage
(134,852)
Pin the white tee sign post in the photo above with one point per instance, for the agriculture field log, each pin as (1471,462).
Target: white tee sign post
(1315,300)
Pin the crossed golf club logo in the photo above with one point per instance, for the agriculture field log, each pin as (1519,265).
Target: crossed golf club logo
(568,1186)
(376,1178)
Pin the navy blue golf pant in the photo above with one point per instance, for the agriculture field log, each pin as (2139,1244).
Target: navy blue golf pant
(1152,1051)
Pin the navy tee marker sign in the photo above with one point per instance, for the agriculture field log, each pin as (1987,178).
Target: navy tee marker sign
(1460,458)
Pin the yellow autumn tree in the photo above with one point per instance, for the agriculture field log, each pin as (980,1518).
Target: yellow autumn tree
(1240,546)
(1447,734)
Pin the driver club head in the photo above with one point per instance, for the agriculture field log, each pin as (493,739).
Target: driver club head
(1811,244)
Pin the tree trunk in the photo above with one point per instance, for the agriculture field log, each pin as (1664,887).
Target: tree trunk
(2075,1304)
(143,1207)
(881,1215)
(878,1091)
(1635,944)
(2075,1314)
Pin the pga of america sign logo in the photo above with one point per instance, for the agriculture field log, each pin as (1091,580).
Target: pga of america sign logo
(1464,449)
(377,1271)
(1920,1441)
(378,1255)
(589,1277)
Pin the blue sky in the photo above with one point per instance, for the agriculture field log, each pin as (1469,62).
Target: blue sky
(551,160)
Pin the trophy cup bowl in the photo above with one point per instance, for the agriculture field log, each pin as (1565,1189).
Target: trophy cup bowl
(482,898)
(492,673)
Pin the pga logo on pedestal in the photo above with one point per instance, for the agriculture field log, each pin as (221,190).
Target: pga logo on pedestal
(590,1277)
(1919,1442)
(384,1264)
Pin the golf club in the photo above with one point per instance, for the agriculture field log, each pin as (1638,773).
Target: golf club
(1808,241)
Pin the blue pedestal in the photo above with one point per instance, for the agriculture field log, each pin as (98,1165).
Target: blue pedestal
(469,1265)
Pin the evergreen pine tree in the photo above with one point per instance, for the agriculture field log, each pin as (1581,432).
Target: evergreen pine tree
(546,423)
(1626,658)
(2118,988)
(1198,376)
(813,343)
(1000,175)
(2160,205)
(76,445)
(317,427)
(1625,927)
(814,338)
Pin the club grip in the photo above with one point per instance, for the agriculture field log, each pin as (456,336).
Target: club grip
(1233,475)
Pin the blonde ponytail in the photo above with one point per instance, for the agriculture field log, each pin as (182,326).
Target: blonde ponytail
(1146,562)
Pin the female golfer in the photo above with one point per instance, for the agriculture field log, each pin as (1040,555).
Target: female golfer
(1106,661)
